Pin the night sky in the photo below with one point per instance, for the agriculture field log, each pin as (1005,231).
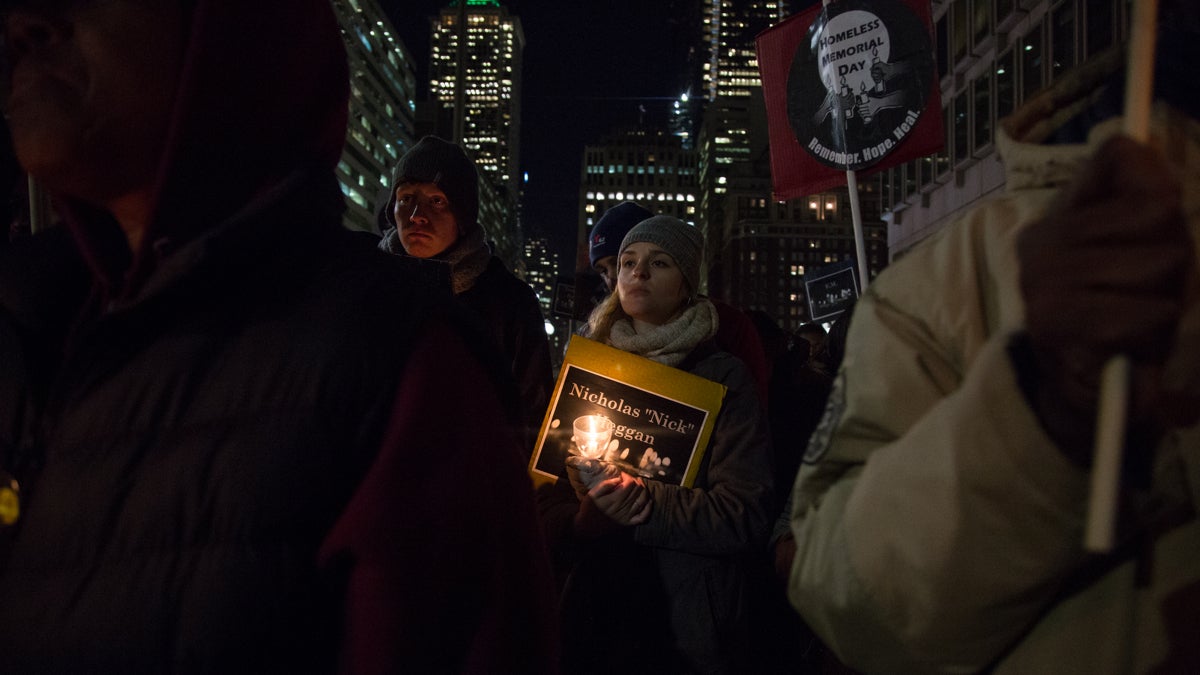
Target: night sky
(588,67)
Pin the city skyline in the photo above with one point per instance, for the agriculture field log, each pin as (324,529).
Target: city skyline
(587,71)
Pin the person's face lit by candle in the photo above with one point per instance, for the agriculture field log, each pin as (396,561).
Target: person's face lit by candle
(650,284)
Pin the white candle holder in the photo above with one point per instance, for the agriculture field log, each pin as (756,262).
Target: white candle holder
(592,434)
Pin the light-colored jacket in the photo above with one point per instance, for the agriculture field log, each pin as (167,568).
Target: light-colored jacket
(938,528)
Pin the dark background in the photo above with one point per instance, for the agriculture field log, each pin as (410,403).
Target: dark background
(588,69)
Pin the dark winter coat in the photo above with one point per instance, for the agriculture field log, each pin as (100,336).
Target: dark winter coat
(510,310)
(233,457)
(505,305)
(670,595)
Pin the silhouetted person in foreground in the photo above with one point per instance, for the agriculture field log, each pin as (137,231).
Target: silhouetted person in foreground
(231,456)
(939,515)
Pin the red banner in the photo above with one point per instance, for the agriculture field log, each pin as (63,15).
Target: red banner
(850,86)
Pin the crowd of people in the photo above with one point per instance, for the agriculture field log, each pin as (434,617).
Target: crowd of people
(236,437)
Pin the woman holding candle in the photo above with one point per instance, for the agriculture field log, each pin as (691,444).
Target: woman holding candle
(657,582)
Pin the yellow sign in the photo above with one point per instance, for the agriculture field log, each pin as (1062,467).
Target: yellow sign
(651,420)
(10,502)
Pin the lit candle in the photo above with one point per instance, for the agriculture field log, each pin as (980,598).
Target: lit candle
(592,434)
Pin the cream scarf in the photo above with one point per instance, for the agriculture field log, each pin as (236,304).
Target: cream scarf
(670,343)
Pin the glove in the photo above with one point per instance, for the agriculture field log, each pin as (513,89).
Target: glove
(585,473)
(1104,272)
(625,499)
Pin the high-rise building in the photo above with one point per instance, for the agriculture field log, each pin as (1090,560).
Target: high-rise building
(729,28)
(494,44)
(541,273)
(771,246)
(382,93)
(734,119)
(992,56)
(650,167)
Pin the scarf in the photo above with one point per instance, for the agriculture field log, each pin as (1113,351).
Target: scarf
(468,257)
(670,343)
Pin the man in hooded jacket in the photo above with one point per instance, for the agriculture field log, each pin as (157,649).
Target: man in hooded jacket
(434,211)
(230,457)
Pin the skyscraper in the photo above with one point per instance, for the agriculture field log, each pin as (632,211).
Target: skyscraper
(382,92)
(494,43)
(542,274)
(734,119)
(729,27)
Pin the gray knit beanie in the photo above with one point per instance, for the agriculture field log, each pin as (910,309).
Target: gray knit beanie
(682,241)
(438,161)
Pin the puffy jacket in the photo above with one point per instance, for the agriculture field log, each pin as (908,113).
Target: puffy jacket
(938,528)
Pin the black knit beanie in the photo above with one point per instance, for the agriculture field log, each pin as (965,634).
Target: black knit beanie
(612,227)
(438,161)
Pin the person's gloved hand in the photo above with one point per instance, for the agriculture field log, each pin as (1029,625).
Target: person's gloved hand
(585,473)
(613,503)
(624,499)
(1103,273)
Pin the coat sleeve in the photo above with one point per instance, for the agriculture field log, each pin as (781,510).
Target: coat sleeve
(934,520)
(446,567)
(728,510)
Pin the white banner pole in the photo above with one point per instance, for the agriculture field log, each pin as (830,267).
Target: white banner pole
(1113,408)
(860,246)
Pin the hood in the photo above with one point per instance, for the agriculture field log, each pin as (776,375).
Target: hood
(263,93)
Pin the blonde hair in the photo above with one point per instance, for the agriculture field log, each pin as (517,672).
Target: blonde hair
(602,318)
(609,311)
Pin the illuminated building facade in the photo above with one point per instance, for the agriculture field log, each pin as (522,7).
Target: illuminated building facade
(650,167)
(729,28)
(734,121)
(992,56)
(541,272)
(382,110)
(492,122)
(771,245)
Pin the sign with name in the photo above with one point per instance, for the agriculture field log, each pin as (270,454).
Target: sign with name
(651,420)
(830,290)
(850,86)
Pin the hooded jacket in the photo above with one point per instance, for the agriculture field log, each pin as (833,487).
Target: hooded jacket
(232,458)
(938,528)
(507,306)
